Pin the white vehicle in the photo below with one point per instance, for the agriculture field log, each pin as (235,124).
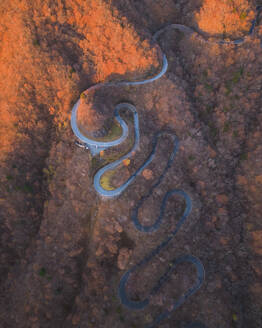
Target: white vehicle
(79,144)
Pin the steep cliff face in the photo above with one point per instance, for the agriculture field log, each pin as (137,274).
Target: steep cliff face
(63,248)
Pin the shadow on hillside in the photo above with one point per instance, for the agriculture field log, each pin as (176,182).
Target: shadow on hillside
(25,187)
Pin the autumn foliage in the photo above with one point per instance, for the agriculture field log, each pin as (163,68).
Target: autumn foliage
(230,18)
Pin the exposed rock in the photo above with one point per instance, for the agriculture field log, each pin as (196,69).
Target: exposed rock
(123,258)
(148,174)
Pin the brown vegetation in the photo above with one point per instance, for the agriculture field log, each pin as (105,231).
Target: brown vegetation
(228,18)
(62,248)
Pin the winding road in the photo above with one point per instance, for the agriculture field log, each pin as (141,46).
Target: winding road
(95,148)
